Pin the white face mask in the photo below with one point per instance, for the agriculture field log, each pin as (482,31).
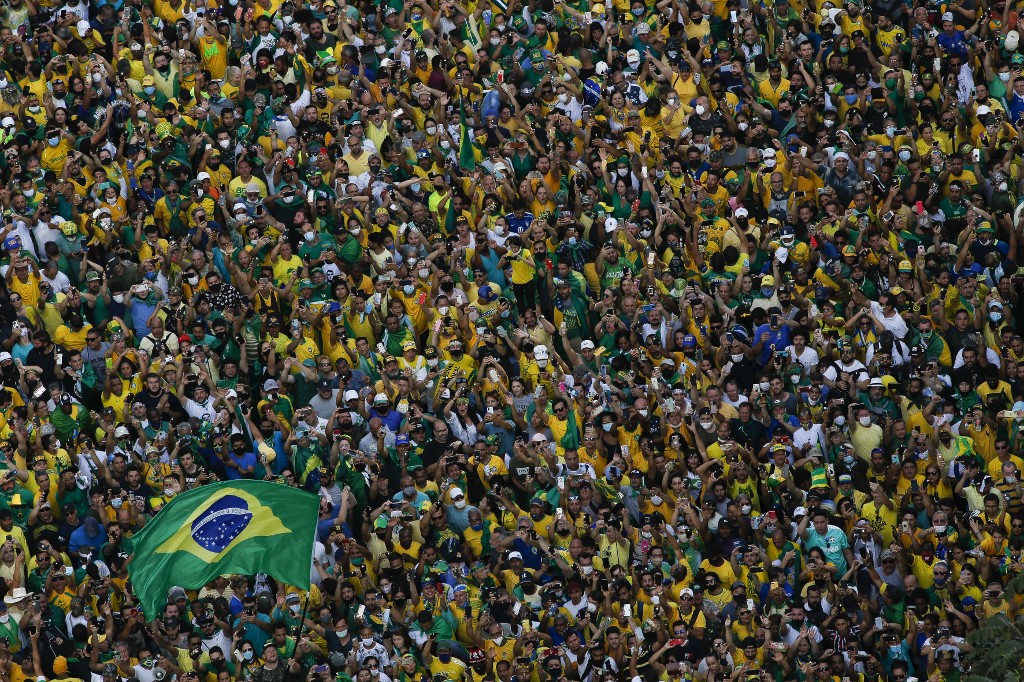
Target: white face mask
(224,144)
(840,420)
(642,413)
(743,126)
(443,310)
(699,109)
(864,421)
(367,643)
(737,357)
(459,504)
(1004,76)
(4,618)
(424,273)
(656,500)
(381,49)
(745,509)
(495,41)
(118,298)
(431,130)
(708,426)
(193,281)
(939,530)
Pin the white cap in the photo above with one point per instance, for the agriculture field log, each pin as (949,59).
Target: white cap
(540,352)
(120,432)
(611,224)
(799,511)
(841,155)
(515,555)
(633,58)
(585,345)
(203,176)
(7,122)
(83,27)
(741,212)
(767,153)
(601,68)
(252,187)
(982,110)
(380,398)
(231,393)
(538,437)
(948,16)
(351,395)
(135,46)
(456,492)
(5,356)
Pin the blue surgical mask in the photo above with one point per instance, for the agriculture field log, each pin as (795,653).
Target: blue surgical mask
(905,155)
(408,289)
(607,426)
(851,99)
(149,89)
(415,187)
(767,291)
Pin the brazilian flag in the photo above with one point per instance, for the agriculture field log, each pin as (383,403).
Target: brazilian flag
(239,526)
(467,157)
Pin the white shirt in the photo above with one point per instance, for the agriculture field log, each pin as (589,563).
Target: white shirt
(812,435)
(809,358)
(60,283)
(201,411)
(895,324)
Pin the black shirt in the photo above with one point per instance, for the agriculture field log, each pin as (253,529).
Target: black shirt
(46,361)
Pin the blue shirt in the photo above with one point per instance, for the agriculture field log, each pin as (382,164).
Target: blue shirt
(245,461)
(953,44)
(519,225)
(777,339)
(80,539)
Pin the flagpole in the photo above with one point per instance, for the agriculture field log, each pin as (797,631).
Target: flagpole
(298,628)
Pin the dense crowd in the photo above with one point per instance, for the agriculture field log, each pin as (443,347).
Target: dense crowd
(621,343)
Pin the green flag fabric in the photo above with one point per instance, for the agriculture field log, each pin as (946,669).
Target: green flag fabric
(238,526)
(467,158)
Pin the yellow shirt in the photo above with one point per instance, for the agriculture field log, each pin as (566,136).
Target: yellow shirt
(285,270)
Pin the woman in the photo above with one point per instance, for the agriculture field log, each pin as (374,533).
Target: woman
(19,343)
(12,565)
(461,418)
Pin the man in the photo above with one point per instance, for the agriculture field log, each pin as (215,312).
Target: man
(830,539)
